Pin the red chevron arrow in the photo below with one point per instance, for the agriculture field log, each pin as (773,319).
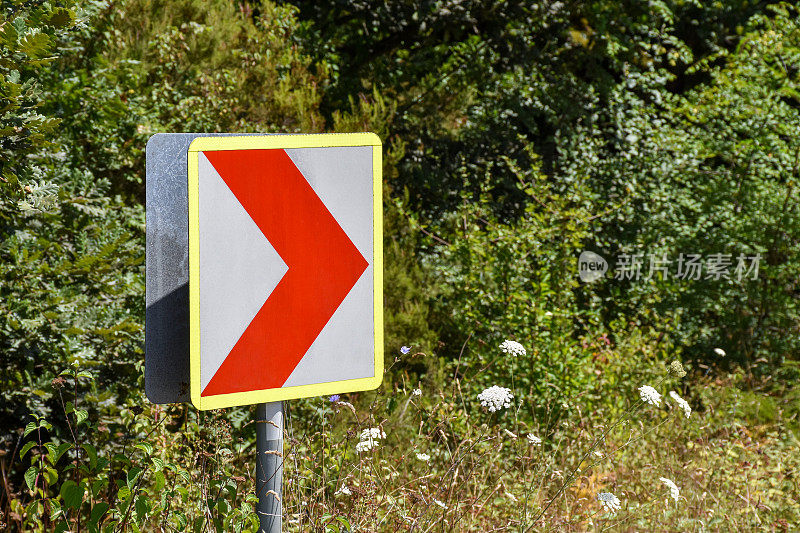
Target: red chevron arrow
(323,267)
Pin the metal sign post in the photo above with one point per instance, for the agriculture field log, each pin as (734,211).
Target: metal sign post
(269,466)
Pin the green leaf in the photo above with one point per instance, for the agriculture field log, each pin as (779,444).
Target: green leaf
(30,476)
(133,475)
(91,453)
(146,447)
(160,480)
(34,44)
(62,449)
(158,464)
(54,452)
(123,494)
(97,513)
(61,17)
(142,508)
(102,462)
(55,509)
(180,518)
(80,416)
(32,426)
(72,494)
(98,485)
(222,505)
(25,449)
(51,474)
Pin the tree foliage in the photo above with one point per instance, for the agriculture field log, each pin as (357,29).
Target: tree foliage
(516,135)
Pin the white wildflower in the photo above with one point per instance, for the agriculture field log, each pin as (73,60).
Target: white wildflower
(369,439)
(548,313)
(343,490)
(372,433)
(609,501)
(416,392)
(650,395)
(683,404)
(440,504)
(366,445)
(534,440)
(512,348)
(424,457)
(674,491)
(495,398)
(719,351)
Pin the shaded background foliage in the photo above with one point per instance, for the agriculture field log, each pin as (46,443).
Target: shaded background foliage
(516,134)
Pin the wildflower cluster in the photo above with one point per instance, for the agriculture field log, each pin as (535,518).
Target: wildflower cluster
(674,491)
(369,439)
(512,348)
(534,440)
(609,502)
(649,395)
(495,398)
(676,369)
(683,404)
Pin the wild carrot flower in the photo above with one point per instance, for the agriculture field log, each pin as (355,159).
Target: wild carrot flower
(366,445)
(373,433)
(676,369)
(719,351)
(416,392)
(609,502)
(405,349)
(343,490)
(650,395)
(512,348)
(369,439)
(683,404)
(424,457)
(495,398)
(534,440)
(674,491)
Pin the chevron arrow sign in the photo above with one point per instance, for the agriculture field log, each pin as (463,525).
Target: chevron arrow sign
(285,267)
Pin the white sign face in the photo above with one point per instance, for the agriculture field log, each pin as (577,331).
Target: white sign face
(285,267)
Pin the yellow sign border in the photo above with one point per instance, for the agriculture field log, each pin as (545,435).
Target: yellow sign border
(281,141)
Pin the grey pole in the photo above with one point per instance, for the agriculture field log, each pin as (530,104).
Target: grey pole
(269,466)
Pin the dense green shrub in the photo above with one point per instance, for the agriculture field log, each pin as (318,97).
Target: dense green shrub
(516,135)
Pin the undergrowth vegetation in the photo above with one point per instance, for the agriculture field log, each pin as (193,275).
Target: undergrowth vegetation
(519,395)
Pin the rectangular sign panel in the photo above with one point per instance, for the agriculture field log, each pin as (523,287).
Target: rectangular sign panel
(285,267)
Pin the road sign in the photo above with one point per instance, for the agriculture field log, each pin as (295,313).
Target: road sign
(285,267)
